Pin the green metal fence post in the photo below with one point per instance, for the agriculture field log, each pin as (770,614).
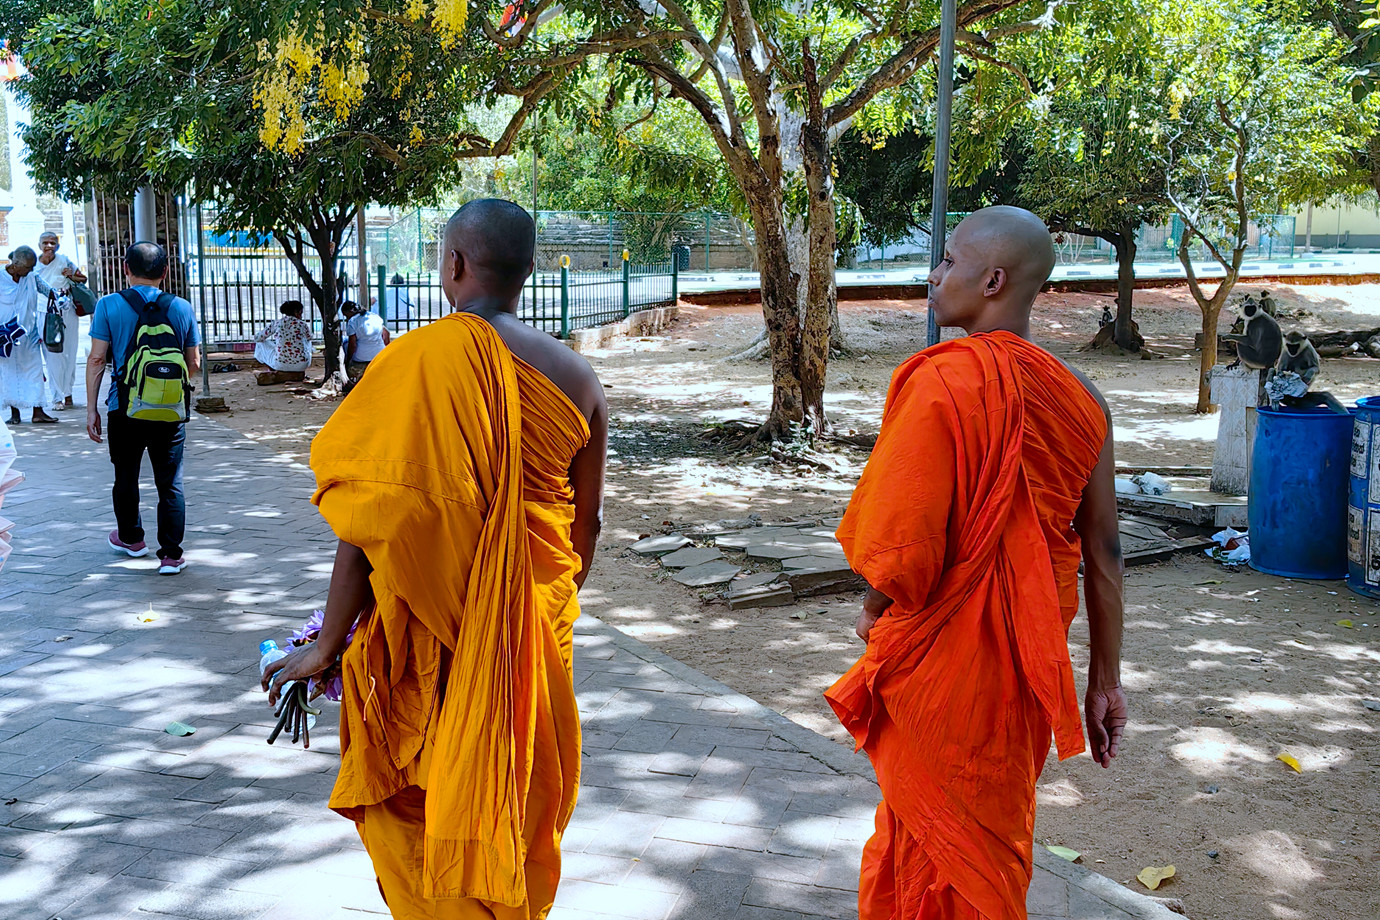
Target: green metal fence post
(565,297)
(675,278)
(627,284)
(706,240)
(383,293)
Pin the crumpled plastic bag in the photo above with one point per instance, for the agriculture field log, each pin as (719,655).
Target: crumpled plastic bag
(1152,484)
(1284,385)
(1125,485)
(1233,547)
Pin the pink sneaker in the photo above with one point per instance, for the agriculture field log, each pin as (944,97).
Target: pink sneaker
(168,566)
(134,549)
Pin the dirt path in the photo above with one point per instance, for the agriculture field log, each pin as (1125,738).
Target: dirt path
(1225,669)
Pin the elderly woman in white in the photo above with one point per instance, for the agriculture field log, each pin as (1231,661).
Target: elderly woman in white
(21,373)
(58,272)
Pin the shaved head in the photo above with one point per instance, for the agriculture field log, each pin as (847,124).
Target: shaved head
(994,265)
(492,243)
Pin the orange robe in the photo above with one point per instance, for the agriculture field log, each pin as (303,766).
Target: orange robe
(964,518)
(460,739)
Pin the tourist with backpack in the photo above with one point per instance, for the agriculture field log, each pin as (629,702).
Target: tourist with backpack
(149,338)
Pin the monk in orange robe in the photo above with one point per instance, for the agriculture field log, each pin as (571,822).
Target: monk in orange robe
(993,465)
(463,477)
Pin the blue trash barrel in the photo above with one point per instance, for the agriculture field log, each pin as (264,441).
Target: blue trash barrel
(1298,497)
(1363,507)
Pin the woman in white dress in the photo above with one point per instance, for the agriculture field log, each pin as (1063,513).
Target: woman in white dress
(58,272)
(21,374)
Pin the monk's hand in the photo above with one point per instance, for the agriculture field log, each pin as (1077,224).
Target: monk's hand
(866,620)
(875,603)
(1105,709)
(303,663)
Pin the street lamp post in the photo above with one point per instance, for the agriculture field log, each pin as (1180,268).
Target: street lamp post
(943,124)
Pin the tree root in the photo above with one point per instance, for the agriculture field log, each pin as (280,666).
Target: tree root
(1104,343)
(332,387)
(758,349)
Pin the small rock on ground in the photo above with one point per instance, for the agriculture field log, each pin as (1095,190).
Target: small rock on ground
(691,555)
(707,574)
(655,546)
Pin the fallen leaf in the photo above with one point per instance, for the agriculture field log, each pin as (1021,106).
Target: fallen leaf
(180,729)
(1291,760)
(62,639)
(1152,876)
(1065,853)
(1346,623)
(148,616)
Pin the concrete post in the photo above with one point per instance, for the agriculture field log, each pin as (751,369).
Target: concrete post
(145,215)
(1236,393)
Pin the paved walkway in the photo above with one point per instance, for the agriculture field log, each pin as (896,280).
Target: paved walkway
(696,802)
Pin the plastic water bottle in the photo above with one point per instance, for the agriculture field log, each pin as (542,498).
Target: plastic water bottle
(269,653)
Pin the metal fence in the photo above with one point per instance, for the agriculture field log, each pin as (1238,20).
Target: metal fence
(558,302)
(1268,237)
(593,240)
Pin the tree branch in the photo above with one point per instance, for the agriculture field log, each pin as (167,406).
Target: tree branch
(972,52)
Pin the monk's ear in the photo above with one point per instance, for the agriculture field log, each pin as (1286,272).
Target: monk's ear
(457,265)
(996,283)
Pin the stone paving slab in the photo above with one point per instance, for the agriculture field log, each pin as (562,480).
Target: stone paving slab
(696,802)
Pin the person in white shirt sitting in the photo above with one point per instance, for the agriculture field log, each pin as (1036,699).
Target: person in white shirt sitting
(366,337)
(285,346)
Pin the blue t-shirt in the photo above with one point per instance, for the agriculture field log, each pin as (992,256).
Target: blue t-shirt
(115,322)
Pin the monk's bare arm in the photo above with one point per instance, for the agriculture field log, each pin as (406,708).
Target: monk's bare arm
(587,480)
(1097,526)
(350,594)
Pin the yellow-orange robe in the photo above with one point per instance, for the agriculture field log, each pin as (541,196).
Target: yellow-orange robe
(460,739)
(964,518)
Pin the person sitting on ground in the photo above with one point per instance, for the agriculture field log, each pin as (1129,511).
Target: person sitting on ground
(285,346)
(366,336)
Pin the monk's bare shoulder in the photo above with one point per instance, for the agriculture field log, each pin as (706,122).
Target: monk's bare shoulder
(558,362)
(1090,387)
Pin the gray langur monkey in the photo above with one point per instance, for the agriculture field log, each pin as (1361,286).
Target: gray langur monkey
(1260,343)
(1299,357)
(1269,304)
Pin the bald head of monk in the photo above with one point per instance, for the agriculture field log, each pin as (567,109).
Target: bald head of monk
(489,247)
(995,263)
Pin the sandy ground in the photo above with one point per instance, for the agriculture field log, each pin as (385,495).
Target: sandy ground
(1225,669)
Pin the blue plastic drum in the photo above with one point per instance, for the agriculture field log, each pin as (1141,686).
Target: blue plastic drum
(1298,494)
(1363,506)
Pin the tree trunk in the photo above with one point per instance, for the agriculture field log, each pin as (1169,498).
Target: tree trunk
(781,311)
(1125,334)
(821,306)
(326,239)
(1212,310)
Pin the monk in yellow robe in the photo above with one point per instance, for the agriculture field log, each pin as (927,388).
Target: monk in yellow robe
(463,477)
(992,475)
